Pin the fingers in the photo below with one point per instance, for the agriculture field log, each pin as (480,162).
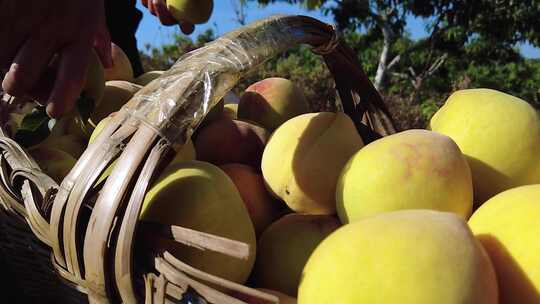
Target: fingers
(161,11)
(8,52)
(102,40)
(28,66)
(42,89)
(6,56)
(151,7)
(187,28)
(11,39)
(74,60)
(102,45)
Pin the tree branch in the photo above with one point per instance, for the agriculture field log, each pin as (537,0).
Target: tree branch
(421,44)
(401,75)
(240,13)
(382,68)
(378,18)
(436,65)
(412,72)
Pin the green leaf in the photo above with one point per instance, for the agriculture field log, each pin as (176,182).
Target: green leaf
(34,128)
(35,119)
(313,4)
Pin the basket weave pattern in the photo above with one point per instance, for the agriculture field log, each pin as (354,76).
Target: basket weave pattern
(76,241)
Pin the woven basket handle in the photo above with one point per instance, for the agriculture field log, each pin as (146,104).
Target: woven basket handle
(25,191)
(168,110)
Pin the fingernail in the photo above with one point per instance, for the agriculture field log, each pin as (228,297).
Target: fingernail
(187,28)
(8,81)
(13,67)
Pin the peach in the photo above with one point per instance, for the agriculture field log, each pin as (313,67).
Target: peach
(262,207)
(94,86)
(507,226)
(406,257)
(413,169)
(500,135)
(71,144)
(231,141)
(193,11)
(304,157)
(231,111)
(214,114)
(117,93)
(121,69)
(200,196)
(55,163)
(285,247)
(271,102)
(148,77)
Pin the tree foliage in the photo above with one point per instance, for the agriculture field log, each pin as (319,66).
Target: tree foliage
(163,57)
(470,44)
(450,25)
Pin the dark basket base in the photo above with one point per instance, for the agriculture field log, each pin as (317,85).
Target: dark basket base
(28,262)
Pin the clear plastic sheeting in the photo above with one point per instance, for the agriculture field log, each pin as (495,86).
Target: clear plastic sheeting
(175,104)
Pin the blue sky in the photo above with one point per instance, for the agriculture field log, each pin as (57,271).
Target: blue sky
(222,21)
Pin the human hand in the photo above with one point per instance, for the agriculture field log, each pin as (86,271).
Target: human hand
(34,32)
(159,9)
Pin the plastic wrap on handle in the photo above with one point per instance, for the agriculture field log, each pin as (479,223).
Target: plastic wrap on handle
(174,104)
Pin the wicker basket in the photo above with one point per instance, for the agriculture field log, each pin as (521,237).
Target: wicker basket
(74,242)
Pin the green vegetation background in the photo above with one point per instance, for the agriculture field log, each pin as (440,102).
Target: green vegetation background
(480,58)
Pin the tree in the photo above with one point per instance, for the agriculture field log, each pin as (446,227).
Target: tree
(163,57)
(239,7)
(451,24)
(421,79)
